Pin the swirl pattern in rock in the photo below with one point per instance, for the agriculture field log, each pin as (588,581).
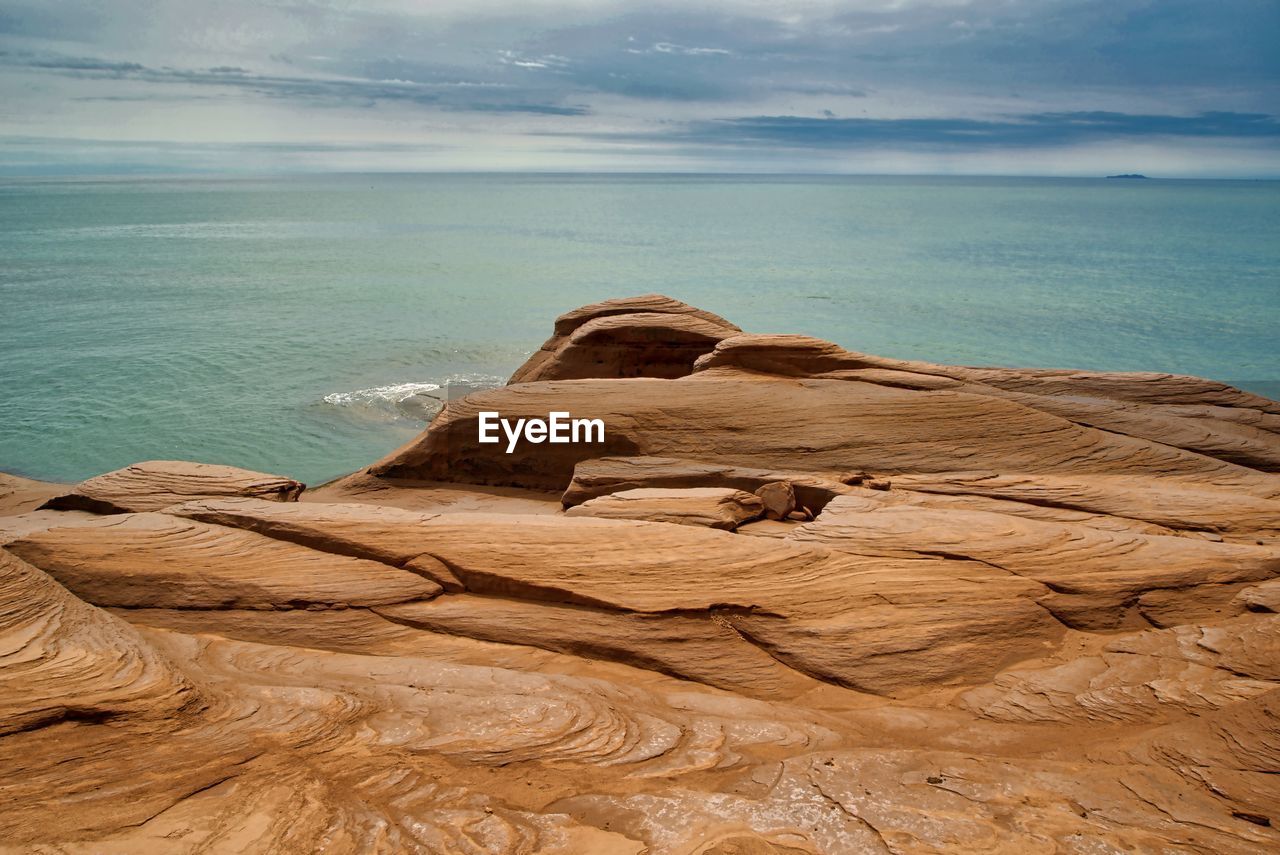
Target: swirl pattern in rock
(1024,611)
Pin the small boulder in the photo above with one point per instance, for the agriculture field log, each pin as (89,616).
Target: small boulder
(779,499)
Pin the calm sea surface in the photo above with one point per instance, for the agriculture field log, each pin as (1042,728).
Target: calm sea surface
(300,325)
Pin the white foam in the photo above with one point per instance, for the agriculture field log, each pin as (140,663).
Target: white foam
(395,393)
(418,401)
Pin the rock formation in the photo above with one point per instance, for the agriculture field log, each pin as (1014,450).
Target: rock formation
(779,499)
(1033,611)
(649,336)
(156,484)
(714,507)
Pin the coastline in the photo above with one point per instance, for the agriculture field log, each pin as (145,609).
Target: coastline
(19,495)
(1170,276)
(796,599)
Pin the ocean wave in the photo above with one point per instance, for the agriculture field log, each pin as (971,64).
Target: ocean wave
(416,401)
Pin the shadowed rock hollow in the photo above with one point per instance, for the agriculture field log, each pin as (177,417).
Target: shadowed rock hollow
(801,600)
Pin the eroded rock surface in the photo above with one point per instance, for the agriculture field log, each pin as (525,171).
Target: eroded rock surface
(753,421)
(155,484)
(599,476)
(1098,579)
(159,561)
(713,507)
(1035,611)
(649,336)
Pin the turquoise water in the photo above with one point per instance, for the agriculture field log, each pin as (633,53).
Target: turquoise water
(211,319)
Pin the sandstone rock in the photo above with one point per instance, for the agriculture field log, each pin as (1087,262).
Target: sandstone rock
(712,507)
(752,422)
(1262,598)
(154,560)
(782,596)
(1098,579)
(779,499)
(1232,752)
(156,484)
(1157,675)
(1033,497)
(600,476)
(1056,632)
(1244,646)
(700,648)
(909,628)
(61,659)
(78,688)
(1169,504)
(648,336)
(398,751)
(885,801)
(20,525)
(353,630)
(361,488)
(1186,412)
(652,568)
(19,495)
(804,356)
(767,528)
(390,535)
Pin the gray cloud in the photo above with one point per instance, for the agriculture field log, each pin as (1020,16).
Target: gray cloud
(443,93)
(84,65)
(665,80)
(1041,129)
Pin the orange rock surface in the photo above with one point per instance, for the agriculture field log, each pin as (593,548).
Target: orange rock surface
(1035,611)
(152,485)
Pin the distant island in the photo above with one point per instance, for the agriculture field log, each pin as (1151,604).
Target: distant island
(1129,175)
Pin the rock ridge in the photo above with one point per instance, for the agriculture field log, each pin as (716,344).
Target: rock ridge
(802,600)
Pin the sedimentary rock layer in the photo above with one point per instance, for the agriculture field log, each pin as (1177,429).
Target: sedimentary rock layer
(994,610)
(155,560)
(713,507)
(649,336)
(155,484)
(1098,579)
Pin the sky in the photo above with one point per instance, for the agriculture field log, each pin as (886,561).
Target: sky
(1169,88)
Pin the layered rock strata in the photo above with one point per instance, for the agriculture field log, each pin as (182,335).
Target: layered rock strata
(155,484)
(713,507)
(994,610)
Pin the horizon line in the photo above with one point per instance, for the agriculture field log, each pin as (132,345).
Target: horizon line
(144,174)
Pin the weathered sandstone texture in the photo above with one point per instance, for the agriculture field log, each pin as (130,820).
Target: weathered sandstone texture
(779,499)
(713,507)
(649,336)
(155,484)
(990,610)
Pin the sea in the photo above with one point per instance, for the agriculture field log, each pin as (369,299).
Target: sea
(308,325)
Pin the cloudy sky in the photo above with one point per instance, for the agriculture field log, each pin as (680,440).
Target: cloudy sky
(1070,87)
